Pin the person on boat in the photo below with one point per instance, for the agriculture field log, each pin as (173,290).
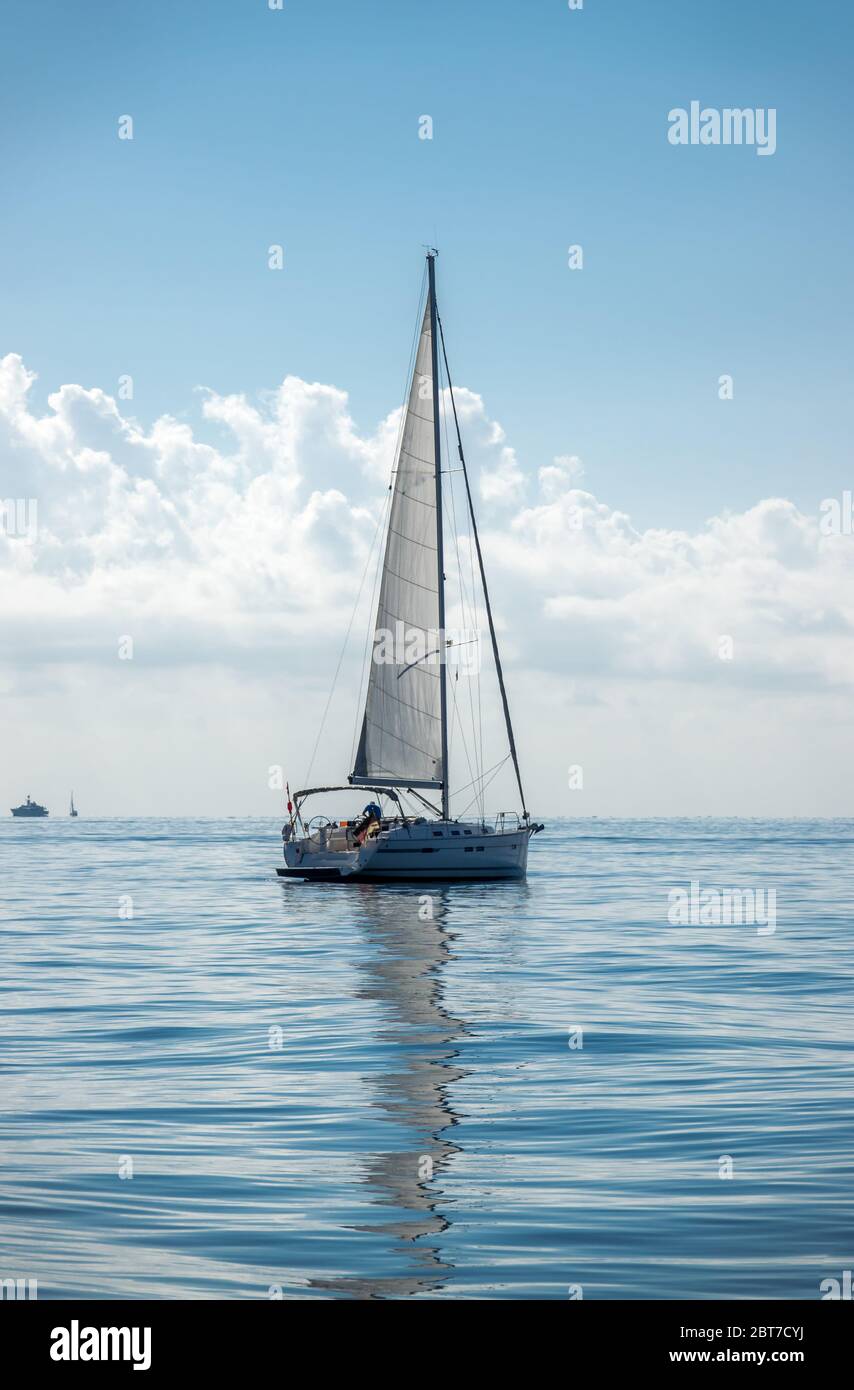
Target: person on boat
(369,824)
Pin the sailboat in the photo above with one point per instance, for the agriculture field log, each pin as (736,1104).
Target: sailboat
(402,750)
(72,811)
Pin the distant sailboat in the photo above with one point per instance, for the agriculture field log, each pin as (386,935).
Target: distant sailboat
(72,811)
(403,745)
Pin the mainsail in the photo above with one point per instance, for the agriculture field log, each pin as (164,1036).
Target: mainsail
(401,738)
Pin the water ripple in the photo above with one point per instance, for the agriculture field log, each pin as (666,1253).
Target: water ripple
(323,1094)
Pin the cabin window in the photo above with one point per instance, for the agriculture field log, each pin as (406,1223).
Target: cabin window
(455,832)
(466,832)
(469,849)
(437,834)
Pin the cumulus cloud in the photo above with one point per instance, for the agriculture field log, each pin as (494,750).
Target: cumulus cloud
(223,549)
(658,603)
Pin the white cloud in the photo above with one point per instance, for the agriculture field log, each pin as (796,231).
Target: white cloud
(560,474)
(655,603)
(247,553)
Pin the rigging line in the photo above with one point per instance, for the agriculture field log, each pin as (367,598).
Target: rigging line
(473,776)
(495,767)
(510,739)
(489,783)
(413,353)
(462,733)
(440,533)
(437,387)
(477,744)
(476,615)
(471,682)
(307,777)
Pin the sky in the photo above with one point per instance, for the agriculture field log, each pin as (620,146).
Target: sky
(222,514)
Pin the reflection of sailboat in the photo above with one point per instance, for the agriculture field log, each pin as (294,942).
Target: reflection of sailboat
(403,973)
(72,812)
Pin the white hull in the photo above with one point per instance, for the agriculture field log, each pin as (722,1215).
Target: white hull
(434,850)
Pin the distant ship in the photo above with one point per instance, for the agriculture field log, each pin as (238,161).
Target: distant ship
(72,812)
(30,808)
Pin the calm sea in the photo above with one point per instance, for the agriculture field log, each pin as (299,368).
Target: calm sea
(252,1085)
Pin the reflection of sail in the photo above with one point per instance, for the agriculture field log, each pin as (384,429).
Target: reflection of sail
(403,973)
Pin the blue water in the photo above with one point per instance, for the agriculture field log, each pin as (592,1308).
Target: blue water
(420,1125)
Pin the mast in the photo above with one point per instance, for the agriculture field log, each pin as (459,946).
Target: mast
(510,739)
(440,555)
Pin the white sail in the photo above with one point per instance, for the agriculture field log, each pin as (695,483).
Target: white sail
(401,738)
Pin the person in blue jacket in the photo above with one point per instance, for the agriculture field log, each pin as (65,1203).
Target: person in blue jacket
(371,815)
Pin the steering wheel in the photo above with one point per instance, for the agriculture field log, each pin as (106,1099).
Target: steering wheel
(316,826)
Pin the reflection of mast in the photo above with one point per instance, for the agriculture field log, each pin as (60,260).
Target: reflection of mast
(403,973)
